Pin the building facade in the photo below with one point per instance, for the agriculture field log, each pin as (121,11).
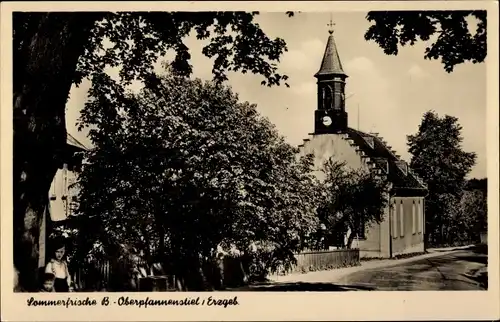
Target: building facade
(402,228)
(61,194)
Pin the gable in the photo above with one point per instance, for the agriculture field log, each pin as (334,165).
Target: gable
(361,150)
(324,146)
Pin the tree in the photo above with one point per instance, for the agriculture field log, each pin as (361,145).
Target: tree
(353,200)
(464,216)
(454,43)
(474,210)
(52,51)
(449,225)
(183,167)
(438,158)
(477,184)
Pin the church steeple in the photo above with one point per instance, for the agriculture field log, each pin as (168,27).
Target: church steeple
(330,114)
(330,65)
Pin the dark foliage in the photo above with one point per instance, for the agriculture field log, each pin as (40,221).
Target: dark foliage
(54,50)
(454,44)
(183,168)
(352,201)
(438,158)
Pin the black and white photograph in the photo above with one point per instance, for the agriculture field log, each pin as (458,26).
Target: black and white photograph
(228,151)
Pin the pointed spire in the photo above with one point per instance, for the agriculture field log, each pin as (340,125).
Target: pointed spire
(331,64)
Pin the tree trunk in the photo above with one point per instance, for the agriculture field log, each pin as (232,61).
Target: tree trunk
(44,66)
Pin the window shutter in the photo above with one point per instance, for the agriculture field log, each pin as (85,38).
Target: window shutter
(401,219)
(421,216)
(414,218)
(394,221)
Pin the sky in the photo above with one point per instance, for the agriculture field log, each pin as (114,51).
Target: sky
(386,94)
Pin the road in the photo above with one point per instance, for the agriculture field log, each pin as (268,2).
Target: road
(453,271)
(458,270)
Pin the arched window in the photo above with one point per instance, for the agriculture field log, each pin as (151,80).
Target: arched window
(328,97)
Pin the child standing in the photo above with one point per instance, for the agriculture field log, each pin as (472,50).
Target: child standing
(48,283)
(59,268)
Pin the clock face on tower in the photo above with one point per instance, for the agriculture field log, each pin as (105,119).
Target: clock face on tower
(327,121)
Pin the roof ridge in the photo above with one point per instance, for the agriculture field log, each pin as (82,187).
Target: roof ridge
(73,141)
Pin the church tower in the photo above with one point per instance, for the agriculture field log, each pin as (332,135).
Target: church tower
(330,115)
(333,140)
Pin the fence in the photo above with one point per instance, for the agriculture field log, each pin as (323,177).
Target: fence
(322,260)
(103,275)
(124,275)
(93,276)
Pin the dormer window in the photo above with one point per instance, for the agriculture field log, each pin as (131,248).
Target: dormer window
(369,140)
(403,166)
(382,164)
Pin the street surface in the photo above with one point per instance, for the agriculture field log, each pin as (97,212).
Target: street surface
(463,269)
(448,272)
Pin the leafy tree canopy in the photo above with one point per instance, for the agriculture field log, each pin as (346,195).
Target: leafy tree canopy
(437,154)
(454,44)
(461,219)
(53,50)
(473,215)
(138,39)
(438,158)
(479,184)
(185,164)
(352,200)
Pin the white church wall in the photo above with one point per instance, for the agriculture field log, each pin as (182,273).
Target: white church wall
(325,146)
(338,147)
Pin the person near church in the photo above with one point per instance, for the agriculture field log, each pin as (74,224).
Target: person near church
(58,266)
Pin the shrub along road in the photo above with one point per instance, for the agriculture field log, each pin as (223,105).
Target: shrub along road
(461,269)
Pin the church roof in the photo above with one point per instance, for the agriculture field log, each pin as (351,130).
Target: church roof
(330,65)
(397,171)
(71,141)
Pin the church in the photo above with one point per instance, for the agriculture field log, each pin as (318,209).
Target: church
(401,230)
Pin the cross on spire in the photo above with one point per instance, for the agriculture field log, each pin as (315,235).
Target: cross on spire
(331,24)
